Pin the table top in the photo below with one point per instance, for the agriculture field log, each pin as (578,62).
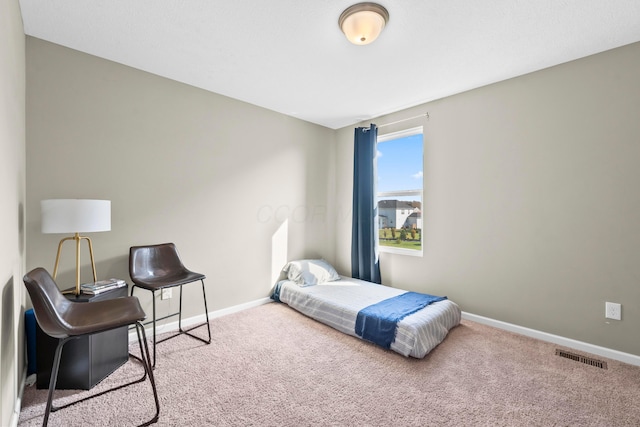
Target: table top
(83,297)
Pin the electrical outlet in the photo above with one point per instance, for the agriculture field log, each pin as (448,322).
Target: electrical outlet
(166,294)
(613,311)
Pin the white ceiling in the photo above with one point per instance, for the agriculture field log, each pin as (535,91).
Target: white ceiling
(291,57)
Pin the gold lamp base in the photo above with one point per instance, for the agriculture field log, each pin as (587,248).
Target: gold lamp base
(77,237)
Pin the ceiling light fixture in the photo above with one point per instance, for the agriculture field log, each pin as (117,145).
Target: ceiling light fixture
(362,23)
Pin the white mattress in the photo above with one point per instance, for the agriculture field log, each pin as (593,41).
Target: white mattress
(337,304)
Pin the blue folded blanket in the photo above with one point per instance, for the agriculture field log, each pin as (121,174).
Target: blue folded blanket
(377,323)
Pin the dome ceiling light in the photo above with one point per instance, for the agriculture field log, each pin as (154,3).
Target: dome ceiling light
(362,23)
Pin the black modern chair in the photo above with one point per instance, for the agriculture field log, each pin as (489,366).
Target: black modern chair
(66,320)
(157,267)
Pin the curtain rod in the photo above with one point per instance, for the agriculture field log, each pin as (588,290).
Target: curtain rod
(404,120)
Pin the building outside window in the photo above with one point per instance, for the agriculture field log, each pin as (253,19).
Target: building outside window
(400,177)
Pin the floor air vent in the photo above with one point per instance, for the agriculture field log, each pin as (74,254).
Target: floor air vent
(582,359)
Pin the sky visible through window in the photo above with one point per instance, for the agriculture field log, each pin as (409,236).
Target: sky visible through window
(400,164)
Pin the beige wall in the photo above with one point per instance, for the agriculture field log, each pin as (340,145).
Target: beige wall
(530,206)
(238,188)
(12,190)
(531,198)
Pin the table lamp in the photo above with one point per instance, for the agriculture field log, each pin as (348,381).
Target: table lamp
(75,216)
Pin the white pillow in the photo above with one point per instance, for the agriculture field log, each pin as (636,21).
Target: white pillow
(307,272)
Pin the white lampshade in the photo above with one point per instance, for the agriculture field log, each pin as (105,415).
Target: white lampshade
(362,23)
(75,215)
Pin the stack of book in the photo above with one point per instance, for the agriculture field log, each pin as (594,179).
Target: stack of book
(95,288)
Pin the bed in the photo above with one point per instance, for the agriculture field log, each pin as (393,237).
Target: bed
(316,290)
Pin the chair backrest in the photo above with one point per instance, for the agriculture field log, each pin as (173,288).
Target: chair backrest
(154,261)
(49,305)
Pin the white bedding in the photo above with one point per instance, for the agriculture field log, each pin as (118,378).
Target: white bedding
(337,304)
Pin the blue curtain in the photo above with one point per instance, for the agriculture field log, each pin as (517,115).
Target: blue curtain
(364,244)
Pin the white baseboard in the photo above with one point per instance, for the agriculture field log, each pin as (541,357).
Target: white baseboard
(555,339)
(15,417)
(173,326)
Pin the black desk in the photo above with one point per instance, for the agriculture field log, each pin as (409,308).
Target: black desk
(85,361)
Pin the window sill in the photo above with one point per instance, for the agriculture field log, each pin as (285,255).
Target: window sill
(400,251)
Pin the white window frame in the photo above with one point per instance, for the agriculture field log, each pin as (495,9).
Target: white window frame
(404,193)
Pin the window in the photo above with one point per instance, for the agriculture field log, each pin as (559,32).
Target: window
(400,170)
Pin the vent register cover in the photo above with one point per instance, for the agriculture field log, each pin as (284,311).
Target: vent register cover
(582,359)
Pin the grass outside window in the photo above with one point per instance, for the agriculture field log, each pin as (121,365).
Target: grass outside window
(400,238)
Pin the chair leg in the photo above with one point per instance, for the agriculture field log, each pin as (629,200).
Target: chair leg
(179,314)
(153,321)
(52,380)
(206,315)
(146,358)
(153,299)
(118,387)
(180,311)
(206,311)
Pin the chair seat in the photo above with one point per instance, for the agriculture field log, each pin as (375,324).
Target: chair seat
(166,281)
(101,316)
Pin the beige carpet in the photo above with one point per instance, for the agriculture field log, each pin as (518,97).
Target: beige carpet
(271,366)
